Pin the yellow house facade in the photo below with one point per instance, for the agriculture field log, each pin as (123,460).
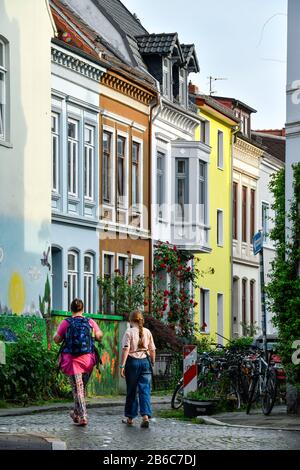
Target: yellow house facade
(214,295)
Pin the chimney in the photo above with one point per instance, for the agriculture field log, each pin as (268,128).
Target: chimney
(193,89)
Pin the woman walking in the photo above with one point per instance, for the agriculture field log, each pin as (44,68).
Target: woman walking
(78,355)
(138,356)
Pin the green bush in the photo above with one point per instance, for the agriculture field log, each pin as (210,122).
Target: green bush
(240,344)
(31,373)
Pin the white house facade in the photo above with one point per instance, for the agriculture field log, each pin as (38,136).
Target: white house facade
(75,177)
(245,299)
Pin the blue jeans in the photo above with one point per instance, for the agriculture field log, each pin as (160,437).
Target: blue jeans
(138,378)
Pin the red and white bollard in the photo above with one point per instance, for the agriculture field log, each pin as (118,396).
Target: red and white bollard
(190,369)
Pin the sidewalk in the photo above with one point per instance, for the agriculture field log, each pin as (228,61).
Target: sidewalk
(277,420)
(99,402)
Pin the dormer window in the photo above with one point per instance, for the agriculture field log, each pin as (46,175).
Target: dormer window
(167,78)
(245,124)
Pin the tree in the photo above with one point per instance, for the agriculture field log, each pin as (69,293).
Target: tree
(283,291)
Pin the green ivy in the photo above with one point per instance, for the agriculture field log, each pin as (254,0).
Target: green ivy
(283,290)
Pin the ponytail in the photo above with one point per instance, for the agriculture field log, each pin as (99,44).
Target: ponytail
(137,317)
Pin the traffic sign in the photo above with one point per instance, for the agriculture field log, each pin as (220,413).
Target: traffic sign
(257,242)
(190,371)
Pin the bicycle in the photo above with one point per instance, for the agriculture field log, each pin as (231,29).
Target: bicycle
(207,363)
(263,384)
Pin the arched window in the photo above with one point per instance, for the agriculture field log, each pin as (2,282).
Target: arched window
(4,73)
(88,283)
(72,276)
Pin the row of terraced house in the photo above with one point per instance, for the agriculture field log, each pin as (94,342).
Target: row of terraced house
(108,148)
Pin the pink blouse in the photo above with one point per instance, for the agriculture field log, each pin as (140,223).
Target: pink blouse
(71,365)
(131,340)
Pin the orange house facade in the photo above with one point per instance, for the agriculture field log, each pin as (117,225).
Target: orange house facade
(125,176)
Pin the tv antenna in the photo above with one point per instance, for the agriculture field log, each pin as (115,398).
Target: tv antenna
(214,79)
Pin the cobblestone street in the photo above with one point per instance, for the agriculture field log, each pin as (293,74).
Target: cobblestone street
(106,432)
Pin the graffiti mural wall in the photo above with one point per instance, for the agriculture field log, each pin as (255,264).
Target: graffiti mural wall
(13,327)
(107,380)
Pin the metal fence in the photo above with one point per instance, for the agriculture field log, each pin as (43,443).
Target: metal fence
(166,371)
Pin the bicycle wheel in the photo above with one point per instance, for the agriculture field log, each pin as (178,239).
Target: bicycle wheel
(177,397)
(269,391)
(253,393)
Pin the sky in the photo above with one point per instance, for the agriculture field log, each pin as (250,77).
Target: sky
(243,41)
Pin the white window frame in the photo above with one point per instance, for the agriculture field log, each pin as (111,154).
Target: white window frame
(202,179)
(124,257)
(220,227)
(220,155)
(89,164)
(74,142)
(137,258)
(124,204)
(265,233)
(246,124)
(55,142)
(162,174)
(89,283)
(207,310)
(182,87)
(138,207)
(73,278)
(111,178)
(206,125)
(167,78)
(4,70)
(181,212)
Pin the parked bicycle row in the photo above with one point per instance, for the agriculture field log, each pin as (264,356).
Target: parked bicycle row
(243,377)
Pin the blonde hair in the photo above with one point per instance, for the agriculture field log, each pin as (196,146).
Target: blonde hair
(137,317)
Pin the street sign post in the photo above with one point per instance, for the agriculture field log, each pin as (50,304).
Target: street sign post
(190,371)
(257,242)
(258,247)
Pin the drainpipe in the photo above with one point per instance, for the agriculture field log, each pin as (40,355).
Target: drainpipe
(234,132)
(155,105)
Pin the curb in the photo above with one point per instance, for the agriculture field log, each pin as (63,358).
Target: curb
(216,422)
(67,406)
(56,444)
(31,441)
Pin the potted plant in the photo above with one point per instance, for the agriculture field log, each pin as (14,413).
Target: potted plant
(202,402)
(206,399)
